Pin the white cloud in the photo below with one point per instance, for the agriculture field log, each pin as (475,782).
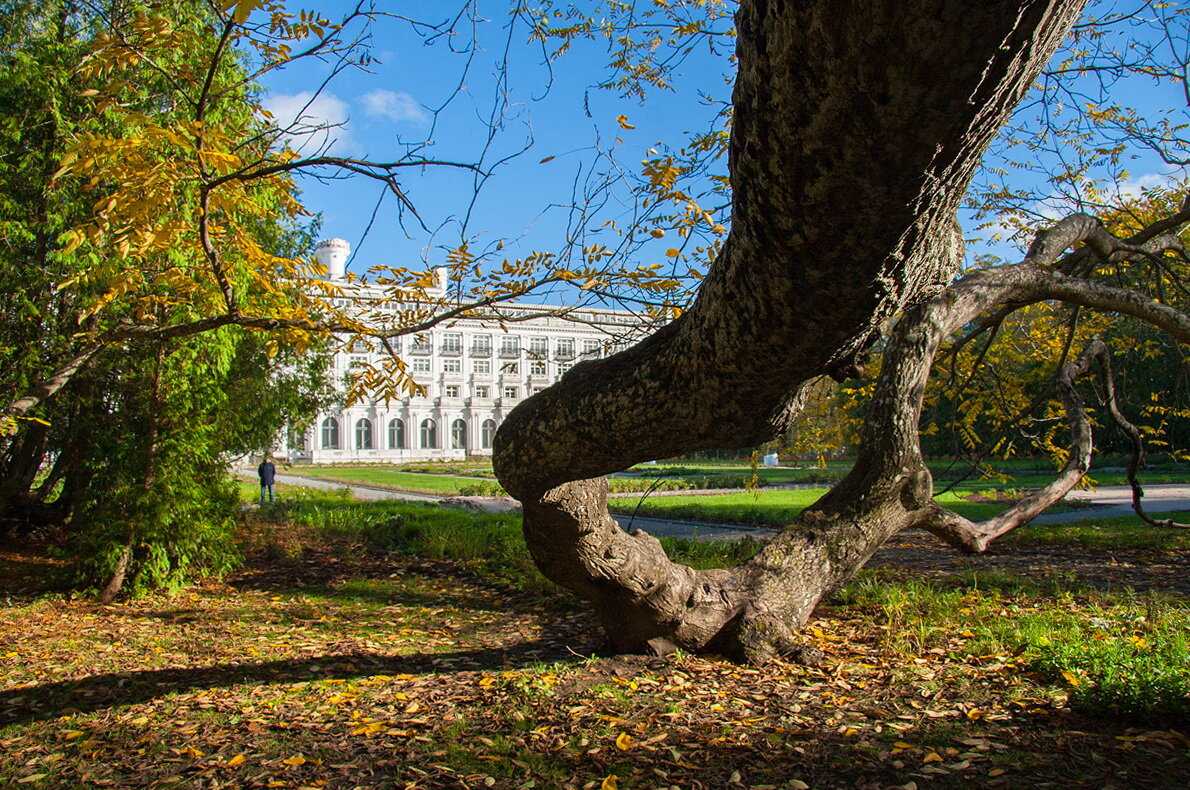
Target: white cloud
(1134,188)
(313,124)
(394,106)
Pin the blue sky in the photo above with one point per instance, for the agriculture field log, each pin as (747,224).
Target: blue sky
(553,113)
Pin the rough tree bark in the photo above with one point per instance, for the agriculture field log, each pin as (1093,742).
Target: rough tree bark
(857,127)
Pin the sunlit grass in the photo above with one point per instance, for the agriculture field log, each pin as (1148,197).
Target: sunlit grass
(446,485)
(764,507)
(1118,654)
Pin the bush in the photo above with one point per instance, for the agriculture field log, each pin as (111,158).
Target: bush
(620,485)
(482,489)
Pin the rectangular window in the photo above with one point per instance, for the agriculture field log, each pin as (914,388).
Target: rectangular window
(537,367)
(481,345)
(357,362)
(539,347)
(420,365)
(510,369)
(512,393)
(510,346)
(482,392)
(420,345)
(566,348)
(483,367)
(591,348)
(452,366)
(451,390)
(563,367)
(452,343)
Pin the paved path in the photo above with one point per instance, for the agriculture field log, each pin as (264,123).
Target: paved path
(1112,501)
(1108,501)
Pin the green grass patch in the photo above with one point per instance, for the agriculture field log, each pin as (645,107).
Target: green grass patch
(396,480)
(1123,532)
(490,544)
(1115,654)
(769,475)
(765,508)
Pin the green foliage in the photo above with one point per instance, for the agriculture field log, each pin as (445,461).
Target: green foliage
(490,489)
(693,482)
(129,460)
(166,497)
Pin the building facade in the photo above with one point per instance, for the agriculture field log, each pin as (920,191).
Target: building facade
(473,371)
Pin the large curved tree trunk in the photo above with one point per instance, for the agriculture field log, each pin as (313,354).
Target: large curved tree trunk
(857,127)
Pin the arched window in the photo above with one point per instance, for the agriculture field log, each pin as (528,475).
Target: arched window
(429,434)
(458,435)
(396,434)
(486,432)
(363,434)
(330,434)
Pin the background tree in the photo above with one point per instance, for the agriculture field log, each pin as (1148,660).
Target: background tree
(130,460)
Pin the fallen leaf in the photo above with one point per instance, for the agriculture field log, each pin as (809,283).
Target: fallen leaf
(624,742)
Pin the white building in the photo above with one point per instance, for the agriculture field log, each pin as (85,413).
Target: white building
(473,371)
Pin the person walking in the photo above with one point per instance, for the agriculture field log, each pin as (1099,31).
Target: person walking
(267,472)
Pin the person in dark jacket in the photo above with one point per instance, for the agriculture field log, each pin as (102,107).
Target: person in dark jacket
(268,477)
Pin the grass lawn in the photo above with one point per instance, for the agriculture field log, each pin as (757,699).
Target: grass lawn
(1014,474)
(395,479)
(762,507)
(369,645)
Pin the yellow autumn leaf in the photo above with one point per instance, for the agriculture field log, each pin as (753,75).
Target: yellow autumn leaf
(297,759)
(237,760)
(672,253)
(72,734)
(1071,678)
(624,742)
(623,121)
(610,783)
(932,757)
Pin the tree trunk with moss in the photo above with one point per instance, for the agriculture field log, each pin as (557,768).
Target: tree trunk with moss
(856,130)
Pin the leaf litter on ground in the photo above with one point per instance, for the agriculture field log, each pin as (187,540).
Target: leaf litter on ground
(347,670)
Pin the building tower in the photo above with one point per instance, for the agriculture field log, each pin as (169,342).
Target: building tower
(333,254)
